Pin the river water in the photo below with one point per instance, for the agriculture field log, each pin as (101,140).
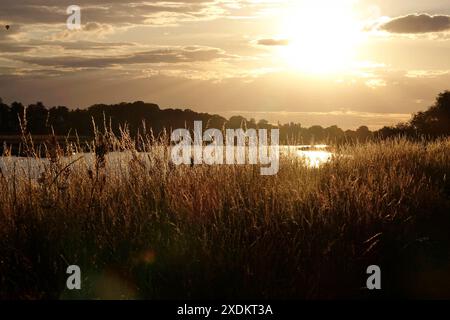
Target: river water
(314,157)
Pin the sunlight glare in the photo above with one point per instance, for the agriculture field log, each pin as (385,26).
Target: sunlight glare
(323,36)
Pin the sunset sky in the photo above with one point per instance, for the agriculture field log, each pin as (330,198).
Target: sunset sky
(344,62)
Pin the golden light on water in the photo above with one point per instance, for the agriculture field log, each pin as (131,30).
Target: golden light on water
(315,158)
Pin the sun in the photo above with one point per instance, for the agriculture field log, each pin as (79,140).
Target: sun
(323,36)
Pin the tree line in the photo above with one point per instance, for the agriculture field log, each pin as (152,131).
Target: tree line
(37,119)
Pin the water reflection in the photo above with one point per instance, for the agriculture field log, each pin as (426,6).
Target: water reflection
(314,155)
(315,159)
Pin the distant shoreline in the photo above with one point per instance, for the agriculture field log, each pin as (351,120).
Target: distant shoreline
(14,145)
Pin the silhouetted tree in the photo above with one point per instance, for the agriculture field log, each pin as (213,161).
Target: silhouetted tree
(37,116)
(317,134)
(5,124)
(333,134)
(363,133)
(37,119)
(436,120)
(236,122)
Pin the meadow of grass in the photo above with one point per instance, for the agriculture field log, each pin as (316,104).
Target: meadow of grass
(140,228)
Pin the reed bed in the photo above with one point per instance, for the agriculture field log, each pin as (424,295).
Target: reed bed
(141,228)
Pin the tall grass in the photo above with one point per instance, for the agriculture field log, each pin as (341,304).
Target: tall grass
(140,228)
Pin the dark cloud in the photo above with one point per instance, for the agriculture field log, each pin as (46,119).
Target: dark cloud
(418,23)
(181,55)
(273,42)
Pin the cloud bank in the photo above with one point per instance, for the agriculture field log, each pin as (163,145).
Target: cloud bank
(418,23)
